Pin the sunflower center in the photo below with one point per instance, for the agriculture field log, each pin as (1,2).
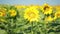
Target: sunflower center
(12,12)
(2,14)
(46,8)
(58,15)
(31,14)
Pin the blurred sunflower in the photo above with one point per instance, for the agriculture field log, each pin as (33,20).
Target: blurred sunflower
(49,19)
(36,6)
(2,12)
(12,12)
(20,6)
(46,9)
(32,14)
(57,8)
(57,14)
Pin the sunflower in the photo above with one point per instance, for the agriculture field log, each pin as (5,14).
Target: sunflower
(46,9)
(49,19)
(57,8)
(2,12)
(36,6)
(12,12)
(20,6)
(31,14)
(57,14)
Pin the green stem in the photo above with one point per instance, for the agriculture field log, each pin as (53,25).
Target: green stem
(32,27)
(39,29)
(45,27)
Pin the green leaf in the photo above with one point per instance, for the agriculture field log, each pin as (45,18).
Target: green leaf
(51,33)
(3,32)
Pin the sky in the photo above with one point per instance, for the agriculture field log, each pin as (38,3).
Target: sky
(28,2)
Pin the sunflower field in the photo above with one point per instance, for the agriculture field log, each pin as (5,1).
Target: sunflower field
(31,19)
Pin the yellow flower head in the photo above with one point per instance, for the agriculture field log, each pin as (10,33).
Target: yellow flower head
(35,6)
(57,14)
(57,8)
(49,19)
(2,12)
(31,14)
(47,9)
(12,12)
(20,6)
